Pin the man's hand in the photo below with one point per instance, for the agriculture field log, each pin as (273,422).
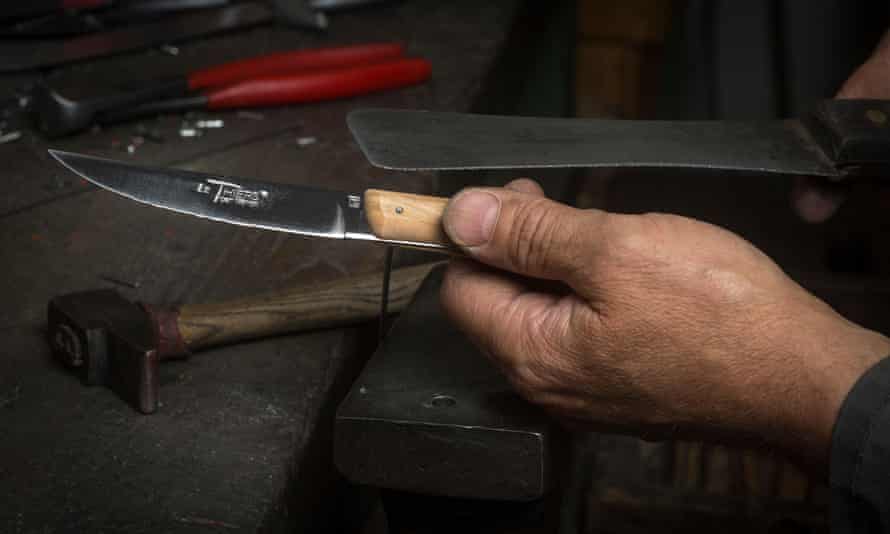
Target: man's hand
(656,325)
(815,200)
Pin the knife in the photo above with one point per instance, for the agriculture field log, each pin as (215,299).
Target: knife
(841,139)
(402,219)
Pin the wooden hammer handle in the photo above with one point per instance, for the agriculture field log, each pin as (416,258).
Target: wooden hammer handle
(338,303)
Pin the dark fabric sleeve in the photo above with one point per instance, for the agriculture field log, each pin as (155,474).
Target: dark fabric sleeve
(860,456)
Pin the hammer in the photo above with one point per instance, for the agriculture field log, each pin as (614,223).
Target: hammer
(109,340)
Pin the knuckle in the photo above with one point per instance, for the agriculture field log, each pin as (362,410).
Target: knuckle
(533,236)
(630,237)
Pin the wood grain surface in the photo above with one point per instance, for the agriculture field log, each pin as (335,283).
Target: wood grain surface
(333,304)
(242,438)
(395,216)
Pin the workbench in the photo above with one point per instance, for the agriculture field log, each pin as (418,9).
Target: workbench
(242,439)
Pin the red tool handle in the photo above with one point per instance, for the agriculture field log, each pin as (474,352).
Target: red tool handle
(320,85)
(300,60)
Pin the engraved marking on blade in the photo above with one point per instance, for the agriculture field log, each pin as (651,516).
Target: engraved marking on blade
(355,201)
(232,193)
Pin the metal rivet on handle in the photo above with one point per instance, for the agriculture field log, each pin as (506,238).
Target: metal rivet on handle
(876,116)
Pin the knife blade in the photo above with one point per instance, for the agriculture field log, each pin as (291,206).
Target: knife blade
(841,138)
(418,140)
(402,219)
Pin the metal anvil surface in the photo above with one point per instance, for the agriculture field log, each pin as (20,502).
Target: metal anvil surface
(430,414)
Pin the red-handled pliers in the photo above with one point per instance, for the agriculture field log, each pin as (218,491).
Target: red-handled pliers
(287,78)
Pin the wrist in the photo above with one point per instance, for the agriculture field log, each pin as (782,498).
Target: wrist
(826,379)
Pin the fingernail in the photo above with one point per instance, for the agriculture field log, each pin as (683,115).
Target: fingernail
(471,218)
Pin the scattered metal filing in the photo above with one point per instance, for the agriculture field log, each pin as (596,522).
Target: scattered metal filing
(170,50)
(196,128)
(306,141)
(9,137)
(190,131)
(135,142)
(119,282)
(210,124)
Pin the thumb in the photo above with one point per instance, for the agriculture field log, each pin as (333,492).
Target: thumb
(523,233)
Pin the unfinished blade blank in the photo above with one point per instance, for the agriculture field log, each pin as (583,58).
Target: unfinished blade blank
(422,140)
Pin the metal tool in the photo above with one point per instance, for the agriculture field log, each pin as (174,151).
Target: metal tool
(432,415)
(55,115)
(19,56)
(373,215)
(111,341)
(67,22)
(300,88)
(33,8)
(842,138)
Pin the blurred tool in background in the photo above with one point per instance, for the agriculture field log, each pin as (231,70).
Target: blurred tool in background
(58,32)
(283,78)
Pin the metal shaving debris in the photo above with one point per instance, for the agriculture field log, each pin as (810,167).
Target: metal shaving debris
(10,137)
(190,132)
(170,49)
(118,281)
(306,141)
(135,142)
(210,123)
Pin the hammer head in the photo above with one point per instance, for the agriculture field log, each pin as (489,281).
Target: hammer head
(107,340)
(55,115)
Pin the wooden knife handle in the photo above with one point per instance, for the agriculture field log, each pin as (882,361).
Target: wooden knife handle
(397,216)
(308,307)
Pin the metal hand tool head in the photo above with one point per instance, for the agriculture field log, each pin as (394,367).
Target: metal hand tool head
(55,115)
(107,340)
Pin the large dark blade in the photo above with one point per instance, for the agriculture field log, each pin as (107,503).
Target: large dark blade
(420,140)
(31,55)
(281,207)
